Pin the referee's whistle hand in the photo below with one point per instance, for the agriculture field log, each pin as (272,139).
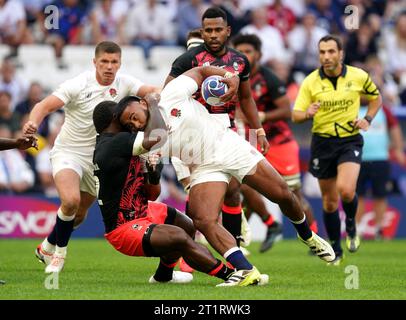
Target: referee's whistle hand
(361,124)
(312,110)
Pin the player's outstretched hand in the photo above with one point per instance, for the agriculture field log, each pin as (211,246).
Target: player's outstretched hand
(312,110)
(27,141)
(233,84)
(30,128)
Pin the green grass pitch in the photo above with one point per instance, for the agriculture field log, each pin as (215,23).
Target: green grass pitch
(94,270)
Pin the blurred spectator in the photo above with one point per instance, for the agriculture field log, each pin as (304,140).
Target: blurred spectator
(150,25)
(237,16)
(383,134)
(395,45)
(361,44)
(283,72)
(384,81)
(108,19)
(35,95)
(303,41)
(8,118)
(42,163)
(12,25)
(273,48)
(328,15)
(16,175)
(11,83)
(189,18)
(281,17)
(71,18)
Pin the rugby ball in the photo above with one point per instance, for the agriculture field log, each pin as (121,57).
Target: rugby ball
(212,89)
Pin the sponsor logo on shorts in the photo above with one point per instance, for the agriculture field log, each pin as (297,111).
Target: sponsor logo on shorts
(356,152)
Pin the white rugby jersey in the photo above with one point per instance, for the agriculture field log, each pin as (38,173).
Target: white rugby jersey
(81,95)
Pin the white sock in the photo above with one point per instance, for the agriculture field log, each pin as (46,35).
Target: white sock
(48,247)
(60,251)
(64,217)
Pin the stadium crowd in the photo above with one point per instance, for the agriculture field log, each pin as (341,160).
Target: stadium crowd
(289,30)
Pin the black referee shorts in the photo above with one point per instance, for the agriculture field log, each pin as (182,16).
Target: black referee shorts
(328,153)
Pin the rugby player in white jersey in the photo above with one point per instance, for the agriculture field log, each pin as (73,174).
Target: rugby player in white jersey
(71,156)
(215,153)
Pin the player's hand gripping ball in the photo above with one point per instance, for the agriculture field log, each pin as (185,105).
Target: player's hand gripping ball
(212,89)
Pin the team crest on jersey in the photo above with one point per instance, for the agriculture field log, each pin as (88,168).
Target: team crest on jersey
(235,66)
(113,92)
(348,85)
(176,113)
(137,226)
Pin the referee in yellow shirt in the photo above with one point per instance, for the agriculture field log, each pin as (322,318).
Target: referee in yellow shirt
(330,96)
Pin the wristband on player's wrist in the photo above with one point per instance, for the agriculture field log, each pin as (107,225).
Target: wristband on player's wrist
(260,132)
(368,119)
(155,175)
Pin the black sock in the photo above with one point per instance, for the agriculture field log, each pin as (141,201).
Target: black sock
(164,271)
(232,222)
(63,231)
(350,209)
(220,270)
(303,229)
(333,228)
(52,236)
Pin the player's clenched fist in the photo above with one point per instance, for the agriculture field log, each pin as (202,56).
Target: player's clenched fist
(30,128)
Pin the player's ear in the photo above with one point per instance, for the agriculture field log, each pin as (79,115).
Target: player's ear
(228,31)
(94,61)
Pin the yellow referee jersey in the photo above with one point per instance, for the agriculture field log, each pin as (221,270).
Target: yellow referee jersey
(339,106)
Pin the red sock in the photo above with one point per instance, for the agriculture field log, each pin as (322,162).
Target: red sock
(314,227)
(269,221)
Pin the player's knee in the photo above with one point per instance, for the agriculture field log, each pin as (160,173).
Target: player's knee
(330,205)
(203,225)
(70,206)
(346,193)
(180,239)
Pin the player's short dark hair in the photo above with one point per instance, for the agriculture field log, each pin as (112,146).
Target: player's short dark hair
(214,12)
(107,47)
(123,104)
(250,39)
(334,38)
(103,115)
